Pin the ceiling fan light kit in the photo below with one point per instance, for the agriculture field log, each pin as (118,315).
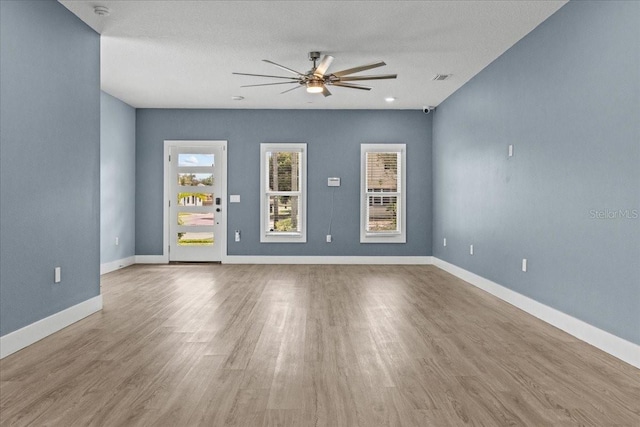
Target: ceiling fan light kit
(318,78)
(315,87)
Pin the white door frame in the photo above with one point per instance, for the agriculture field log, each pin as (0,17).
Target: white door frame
(167,191)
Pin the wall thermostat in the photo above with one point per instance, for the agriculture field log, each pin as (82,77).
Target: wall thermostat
(333,182)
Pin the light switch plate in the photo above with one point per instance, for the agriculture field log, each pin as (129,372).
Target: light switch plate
(333,182)
(234,198)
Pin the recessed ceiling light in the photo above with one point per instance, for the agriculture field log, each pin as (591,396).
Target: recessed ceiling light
(101,10)
(389,99)
(237,98)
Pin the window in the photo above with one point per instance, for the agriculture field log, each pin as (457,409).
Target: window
(283,194)
(383,193)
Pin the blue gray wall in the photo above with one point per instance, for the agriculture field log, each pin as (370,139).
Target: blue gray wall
(333,139)
(117,179)
(567,97)
(49,161)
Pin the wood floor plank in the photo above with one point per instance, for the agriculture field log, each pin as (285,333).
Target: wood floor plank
(310,345)
(286,388)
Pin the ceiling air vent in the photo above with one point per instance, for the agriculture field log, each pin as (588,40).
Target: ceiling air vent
(439,77)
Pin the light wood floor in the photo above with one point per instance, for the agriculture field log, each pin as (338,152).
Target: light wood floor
(224,345)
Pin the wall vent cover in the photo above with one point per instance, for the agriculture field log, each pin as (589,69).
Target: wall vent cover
(439,77)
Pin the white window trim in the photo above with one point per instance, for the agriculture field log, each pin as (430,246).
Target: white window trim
(282,237)
(392,237)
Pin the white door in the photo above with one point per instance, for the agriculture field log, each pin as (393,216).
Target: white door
(197,200)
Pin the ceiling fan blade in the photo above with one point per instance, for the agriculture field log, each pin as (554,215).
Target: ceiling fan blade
(270,84)
(351,86)
(358,69)
(289,90)
(283,67)
(323,66)
(265,75)
(325,91)
(379,77)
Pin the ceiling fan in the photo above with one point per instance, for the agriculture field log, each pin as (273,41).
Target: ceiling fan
(317,79)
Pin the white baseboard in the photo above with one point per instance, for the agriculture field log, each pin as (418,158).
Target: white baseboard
(108,267)
(152,259)
(36,331)
(273,259)
(605,341)
(293,259)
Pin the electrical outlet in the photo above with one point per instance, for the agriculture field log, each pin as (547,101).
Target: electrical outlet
(470,249)
(328,238)
(444,242)
(117,241)
(237,235)
(511,150)
(56,275)
(524,264)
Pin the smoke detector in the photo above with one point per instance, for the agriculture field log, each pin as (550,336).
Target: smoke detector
(101,10)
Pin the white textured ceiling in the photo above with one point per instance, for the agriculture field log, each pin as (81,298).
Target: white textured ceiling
(180,54)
